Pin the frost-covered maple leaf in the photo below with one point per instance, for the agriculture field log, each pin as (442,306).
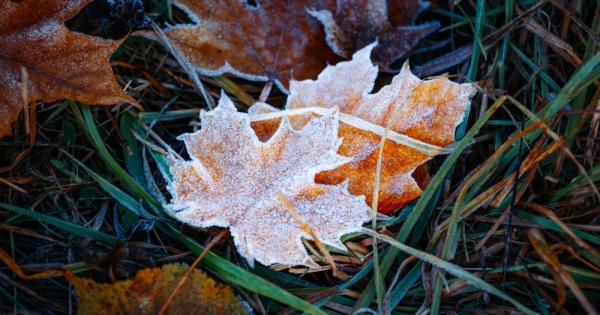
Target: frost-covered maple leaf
(279,40)
(421,115)
(271,40)
(59,64)
(233,179)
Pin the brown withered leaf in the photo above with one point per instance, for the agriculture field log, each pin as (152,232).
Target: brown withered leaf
(276,40)
(427,114)
(60,64)
(233,180)
(147,292)
(357,23)
(405,12)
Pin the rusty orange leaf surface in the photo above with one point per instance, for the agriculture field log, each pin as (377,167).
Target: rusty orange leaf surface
(148,291)
(425,115)
(59,64)
(283,40)
(274,40)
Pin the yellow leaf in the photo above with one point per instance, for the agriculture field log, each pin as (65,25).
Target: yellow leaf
(147,292)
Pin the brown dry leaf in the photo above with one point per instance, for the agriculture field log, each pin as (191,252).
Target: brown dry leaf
(276,40)
(233,180)
(428,113)
(357,23)
(405,12)
(60,64)
(148,291)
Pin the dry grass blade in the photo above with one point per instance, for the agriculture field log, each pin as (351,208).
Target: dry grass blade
(183,61)
(450,268)
(543,250)
(12,265)
(516,204)
(558,139)
(552,216)
(306,228)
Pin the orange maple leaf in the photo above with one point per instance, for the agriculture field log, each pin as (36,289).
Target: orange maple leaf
(427,113)
(280,40)
(276,40)
(233,180)
(149,290)
(59,64)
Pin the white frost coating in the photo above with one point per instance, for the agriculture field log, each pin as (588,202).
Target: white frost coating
(233,178)
(332,31)
(337,85)
(266,112)
(348,86)
(421,114)
(260,108)
(226,68)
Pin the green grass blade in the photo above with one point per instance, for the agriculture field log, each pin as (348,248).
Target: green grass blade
(119,195)
(399,292)
(508,15)
(67,226)
(86,118)
(230,272)
(477,43)
(549,224)
(450,268)
(580,180)
(427,195)
(586,75)
(247,280)
(535,68)
(168,116)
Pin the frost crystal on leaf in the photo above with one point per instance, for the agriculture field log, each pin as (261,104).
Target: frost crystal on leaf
(233,178)
(59,64)
(274,40)
(280,40)
(425,115)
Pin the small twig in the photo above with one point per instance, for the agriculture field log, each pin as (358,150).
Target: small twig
(185,64)
(150,144)
(187,274)
(157,139)
(14,267)
(12,185)
(28,110)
